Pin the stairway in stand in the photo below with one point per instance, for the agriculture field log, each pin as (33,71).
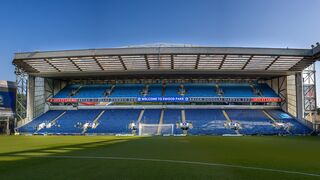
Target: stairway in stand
(160,122)
(54,120)
(94,121)
(229,120)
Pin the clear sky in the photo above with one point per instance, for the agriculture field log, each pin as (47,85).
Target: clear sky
(36,25)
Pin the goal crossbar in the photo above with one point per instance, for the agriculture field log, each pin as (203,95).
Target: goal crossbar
(155,129)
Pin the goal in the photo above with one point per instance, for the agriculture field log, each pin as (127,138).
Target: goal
(155,129)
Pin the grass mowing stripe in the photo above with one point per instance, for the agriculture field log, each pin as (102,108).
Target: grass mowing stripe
(175,161)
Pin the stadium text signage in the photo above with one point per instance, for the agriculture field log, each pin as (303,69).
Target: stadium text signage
(63,100)
(94,101)
(266,100)
(162,99)
(233,99)
(219,99)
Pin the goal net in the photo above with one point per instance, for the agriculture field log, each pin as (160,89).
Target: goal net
(155,129)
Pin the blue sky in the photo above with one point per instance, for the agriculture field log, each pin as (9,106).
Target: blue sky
(72,24)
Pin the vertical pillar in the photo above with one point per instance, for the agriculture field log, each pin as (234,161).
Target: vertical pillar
(8,126)
(30,97)
(21,95)
(299,96)
(309,94)
(291,93)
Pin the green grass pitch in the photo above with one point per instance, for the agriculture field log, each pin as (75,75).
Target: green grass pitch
(159,158)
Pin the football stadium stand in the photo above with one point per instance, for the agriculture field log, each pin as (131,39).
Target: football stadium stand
(204,121)
(72,122)
(47,118)
(167,91)
(296,127)
(115,121)
(207,121)
(254,122)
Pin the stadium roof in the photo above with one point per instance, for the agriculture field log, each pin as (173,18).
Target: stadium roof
(316,52)
(159,60)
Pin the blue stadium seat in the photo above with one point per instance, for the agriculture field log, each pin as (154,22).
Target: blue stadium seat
(171,90)
(297,127)
(237,90)
(116,121)
(173,116)
(65,92)
(266,90)
(155,90)
(127,90)
(200,90)
(92,91)
(72,122)
(151,116)
(207,122)
(254,122)
(47,117)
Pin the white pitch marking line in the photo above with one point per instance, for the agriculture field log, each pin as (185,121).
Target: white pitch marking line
(178,161)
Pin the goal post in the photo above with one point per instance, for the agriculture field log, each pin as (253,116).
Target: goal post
(155,129)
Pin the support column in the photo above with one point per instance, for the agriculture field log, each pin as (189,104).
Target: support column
(21,96)
(30,97)
(8,126)
(309,95)
(299,96)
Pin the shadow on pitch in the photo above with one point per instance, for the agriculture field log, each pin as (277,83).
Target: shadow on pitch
(63,150)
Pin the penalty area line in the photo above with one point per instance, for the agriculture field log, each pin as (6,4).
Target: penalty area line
(178,162)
